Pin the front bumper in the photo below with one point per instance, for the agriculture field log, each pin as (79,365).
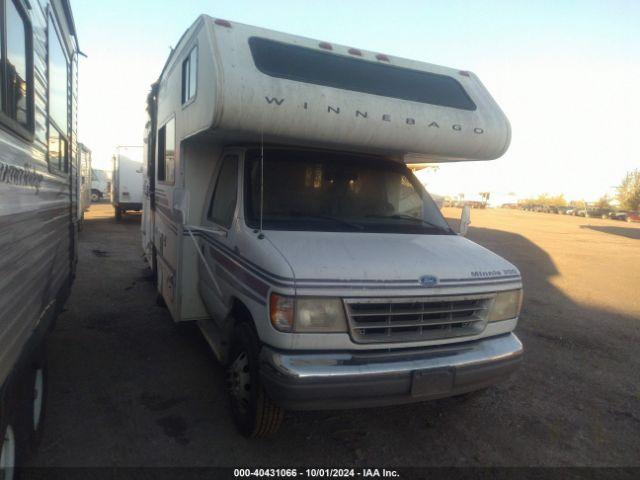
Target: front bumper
(321,380)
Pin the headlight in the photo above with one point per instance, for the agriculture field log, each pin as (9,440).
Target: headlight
(307,315)
(319,315)
(505,306)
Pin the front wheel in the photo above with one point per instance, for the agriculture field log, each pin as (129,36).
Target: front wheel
(118,213)
(254,413)
(36,395)
(8,449)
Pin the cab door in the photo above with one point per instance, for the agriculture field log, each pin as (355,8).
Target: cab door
(218,237)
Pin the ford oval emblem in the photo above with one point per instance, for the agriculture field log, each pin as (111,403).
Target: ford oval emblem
(428,280)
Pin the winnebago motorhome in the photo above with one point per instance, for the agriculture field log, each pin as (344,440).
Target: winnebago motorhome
(84,180)
(283,219)
(38,206)
(126,180)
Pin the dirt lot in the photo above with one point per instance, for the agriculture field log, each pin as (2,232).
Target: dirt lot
(129,388)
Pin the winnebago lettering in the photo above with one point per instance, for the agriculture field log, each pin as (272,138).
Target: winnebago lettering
(385,117)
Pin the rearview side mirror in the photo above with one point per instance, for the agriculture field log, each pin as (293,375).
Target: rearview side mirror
(465,220)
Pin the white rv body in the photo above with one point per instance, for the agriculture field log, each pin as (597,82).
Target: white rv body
(240,102)
(219,103)
(126,179)
(39,204)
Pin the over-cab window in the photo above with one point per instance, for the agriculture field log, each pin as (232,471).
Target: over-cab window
(167,152)
(58,102)
(16,60)
(190,75)
(223,200)
(301,64)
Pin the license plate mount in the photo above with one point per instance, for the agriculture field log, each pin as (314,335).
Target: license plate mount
(427,383)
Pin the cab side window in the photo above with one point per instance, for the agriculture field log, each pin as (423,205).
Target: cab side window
(225,193)
(167,152)
(190,75)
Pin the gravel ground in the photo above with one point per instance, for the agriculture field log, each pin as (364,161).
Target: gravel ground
(129,388)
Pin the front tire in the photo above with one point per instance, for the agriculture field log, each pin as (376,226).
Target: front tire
(36,395)
(118,213)
(254,413)
(8,453)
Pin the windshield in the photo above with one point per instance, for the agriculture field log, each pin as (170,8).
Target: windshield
(337,192)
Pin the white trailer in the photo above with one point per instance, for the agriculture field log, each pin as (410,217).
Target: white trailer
(84,180)
(126,180)
(100,185)
(39,211)
(281,216)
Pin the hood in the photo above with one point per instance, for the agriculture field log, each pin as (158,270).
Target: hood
(401,259)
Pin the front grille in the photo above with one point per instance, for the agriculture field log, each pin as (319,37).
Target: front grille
(414,319)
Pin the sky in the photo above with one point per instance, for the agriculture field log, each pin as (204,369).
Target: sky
(566,73)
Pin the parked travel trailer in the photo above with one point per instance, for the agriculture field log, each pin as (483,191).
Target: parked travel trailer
(281,216)
(84,180)
(126,180)
(38,207)
(100,185)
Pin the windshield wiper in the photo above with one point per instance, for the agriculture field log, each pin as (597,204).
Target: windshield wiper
(400,216)
(327,217)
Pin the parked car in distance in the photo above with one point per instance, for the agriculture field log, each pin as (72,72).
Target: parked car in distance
(633,217)
(598,213)
(552,209)
(618,215)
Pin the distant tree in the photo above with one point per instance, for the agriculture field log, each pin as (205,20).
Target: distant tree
(604,202)
(546,200)
(560,201)
(485,197)
(629,191)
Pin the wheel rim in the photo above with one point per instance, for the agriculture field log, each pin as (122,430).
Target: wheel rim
(239,382)
(38,396)
(8,455)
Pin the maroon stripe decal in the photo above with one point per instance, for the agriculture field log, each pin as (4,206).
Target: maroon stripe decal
(249,280)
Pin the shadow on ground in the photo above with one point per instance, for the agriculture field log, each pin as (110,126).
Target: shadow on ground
(628,232)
